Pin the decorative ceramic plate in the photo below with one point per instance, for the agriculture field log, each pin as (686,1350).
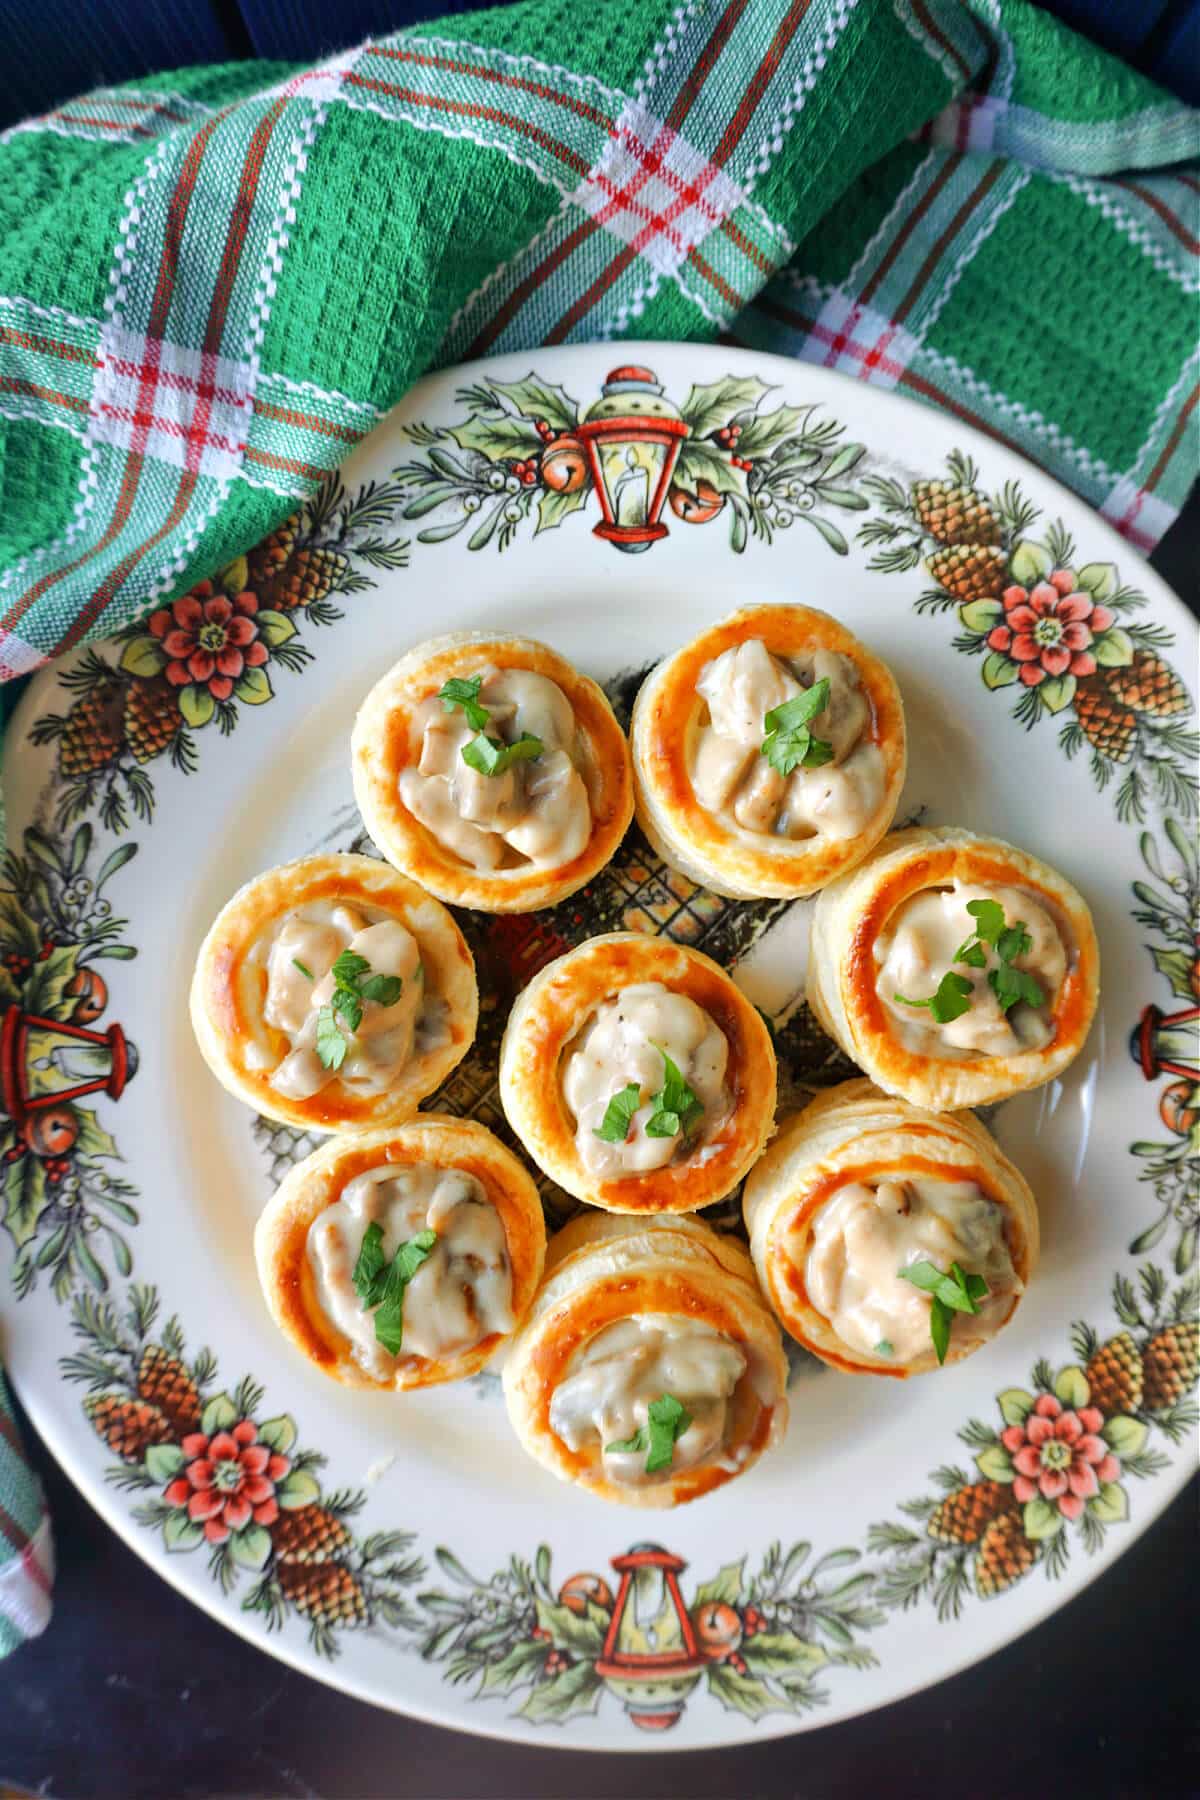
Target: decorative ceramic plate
(404,1548)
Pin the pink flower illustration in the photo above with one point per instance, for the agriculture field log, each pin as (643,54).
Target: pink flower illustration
(1059,1454)
(1048,628)
(209,638)
(228,1480)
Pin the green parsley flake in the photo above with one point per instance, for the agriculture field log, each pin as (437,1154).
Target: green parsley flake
(353,986)
(618,1115)
(953,998)
(676,1105)
(303,968)
(382,1285)
(465,693)
(789,744)
(885,1347)
(666,1421)
(959,1291)
(488,756)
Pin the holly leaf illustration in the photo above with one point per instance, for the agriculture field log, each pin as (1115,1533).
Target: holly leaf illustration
(743,1693)
(576,1690)
(93,1140)
(554,507)
(46,986)
(765,431)
(25,1198)
(539,399)
(1176,965)
(699,461)
(725,1585)
(580,1633)
(498,436)
(782,1653)
(712,404)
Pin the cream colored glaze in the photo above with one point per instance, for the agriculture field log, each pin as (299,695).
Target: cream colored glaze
(734,780)
(917,950)
(537,812)
(461,1293)
(606,1394)
(622,1042)
(315,935)
(866,1233)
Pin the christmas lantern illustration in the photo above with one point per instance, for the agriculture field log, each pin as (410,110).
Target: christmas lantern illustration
(1167,1043)
(46,1064)
(632,436)
(651,1660)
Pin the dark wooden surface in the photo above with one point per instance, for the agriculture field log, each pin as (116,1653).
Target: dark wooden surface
(133,1694)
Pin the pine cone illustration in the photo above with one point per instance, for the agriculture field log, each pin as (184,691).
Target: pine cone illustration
(964,1515)
(163,1381)
(1170,1362)
(1114,1375)
(310,575)
(1005,1554)
(152,718)
(970,571)
(309,1534)
(127,1426)
(954,514)
(326,1593)
(267,560)
(1107,725)
(94,730)
(1149,685)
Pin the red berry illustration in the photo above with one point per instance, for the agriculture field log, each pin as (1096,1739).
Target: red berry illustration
(718,1629)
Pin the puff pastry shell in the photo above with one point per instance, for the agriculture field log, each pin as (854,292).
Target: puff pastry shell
(848,919)
(720,855)
(600,1270)
(229,986)
(381,748)
(855,1133)
(557,1004)
(434,1140)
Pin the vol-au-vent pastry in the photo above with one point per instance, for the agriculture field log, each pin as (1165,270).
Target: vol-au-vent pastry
(887,1239)
(638,1076)
(649,1371)
(403,1257)
(492,772)
(769,753)
(955,970)
(333,994)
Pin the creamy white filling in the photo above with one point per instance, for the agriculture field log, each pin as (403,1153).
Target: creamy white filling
(734,780)
(605,1396)
(299,950)
(622,1042)
(461,1293)
(867,1233)
(918,949)
(537,812)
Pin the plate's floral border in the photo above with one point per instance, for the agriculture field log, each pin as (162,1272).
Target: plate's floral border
(215,1471)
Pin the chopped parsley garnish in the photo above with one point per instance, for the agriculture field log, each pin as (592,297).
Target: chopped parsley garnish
(352,985)
(953,998)
(959,1291)
(1009,984)
(666,1421)
(303,968)
(382,1285)
(676,1105)
(789,743)
(488,756)
(618,1115)
(457,692)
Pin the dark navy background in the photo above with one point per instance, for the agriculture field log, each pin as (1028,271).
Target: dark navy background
(53,49)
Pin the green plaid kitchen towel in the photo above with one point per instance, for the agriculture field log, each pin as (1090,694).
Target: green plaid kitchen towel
(214,283)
